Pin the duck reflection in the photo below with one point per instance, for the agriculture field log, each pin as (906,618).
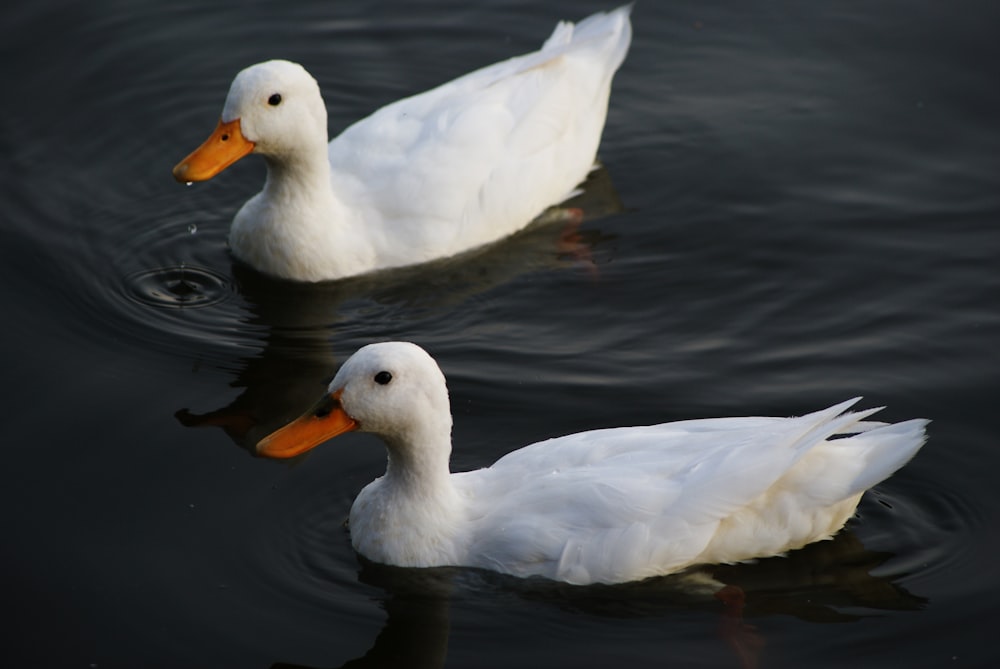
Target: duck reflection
(415,633)
(299,321)
(825,582)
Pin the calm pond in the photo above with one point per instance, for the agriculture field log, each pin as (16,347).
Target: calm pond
(798,205)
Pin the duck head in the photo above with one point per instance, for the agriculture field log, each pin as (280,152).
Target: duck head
(392,389)
(273,108)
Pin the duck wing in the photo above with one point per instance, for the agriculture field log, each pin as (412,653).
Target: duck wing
(479,157)
(627,503)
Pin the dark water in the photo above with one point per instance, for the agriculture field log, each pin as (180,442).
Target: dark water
(811,210)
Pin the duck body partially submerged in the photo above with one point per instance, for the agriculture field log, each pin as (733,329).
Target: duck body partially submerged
(448,170)
(605,506)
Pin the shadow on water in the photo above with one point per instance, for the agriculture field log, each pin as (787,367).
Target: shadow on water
(301,323)
(825,582)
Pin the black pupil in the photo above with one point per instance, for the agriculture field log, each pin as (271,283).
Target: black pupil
(274,100)
(383,378)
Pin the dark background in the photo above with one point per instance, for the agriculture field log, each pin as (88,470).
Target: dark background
(810,213)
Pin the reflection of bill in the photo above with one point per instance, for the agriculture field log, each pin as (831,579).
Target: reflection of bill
(303,322)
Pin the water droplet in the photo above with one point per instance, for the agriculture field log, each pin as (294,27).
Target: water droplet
(192,228)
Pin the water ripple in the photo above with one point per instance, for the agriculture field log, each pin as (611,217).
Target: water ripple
(180,287)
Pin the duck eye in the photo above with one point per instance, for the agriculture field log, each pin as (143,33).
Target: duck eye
(383,378)
(274,100)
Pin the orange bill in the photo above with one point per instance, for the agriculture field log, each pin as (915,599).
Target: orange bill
(324,421)
(223,148)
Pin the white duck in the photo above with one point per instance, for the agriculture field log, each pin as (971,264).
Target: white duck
(429,176)
(606,506)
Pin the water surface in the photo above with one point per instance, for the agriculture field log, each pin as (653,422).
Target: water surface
(799,205)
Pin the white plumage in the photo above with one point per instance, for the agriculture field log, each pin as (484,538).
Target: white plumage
(606,506)
(456,167)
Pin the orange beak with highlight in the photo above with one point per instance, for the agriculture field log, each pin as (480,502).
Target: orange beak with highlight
(223,148)
(324,421)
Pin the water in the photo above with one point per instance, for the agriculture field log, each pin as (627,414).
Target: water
(809,213)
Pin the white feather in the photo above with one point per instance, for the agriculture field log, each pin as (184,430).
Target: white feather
(456,167)
(610,505)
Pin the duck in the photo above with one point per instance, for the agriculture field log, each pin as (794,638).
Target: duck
(609,506)
(454,168)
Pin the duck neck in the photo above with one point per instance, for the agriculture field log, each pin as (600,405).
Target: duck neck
(410,515)
(296,227)
(302,177)
(419,469)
